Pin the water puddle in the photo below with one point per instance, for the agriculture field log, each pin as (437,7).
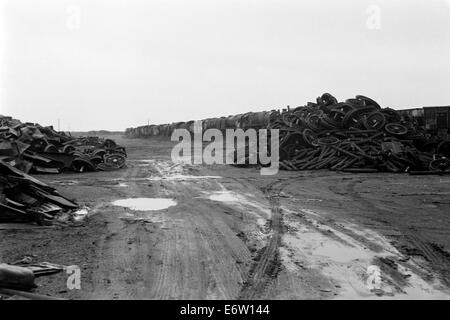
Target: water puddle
(347,262)
(167,168)
(65,183)
(180,177)
(341,253)
(142,160)
(121,185)
(169,171)
(188,159)
(145,204)
(242,202)
(225,196)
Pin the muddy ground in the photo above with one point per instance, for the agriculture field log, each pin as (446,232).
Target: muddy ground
(236,234)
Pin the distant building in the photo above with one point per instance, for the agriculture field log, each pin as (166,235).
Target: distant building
(436,118)
(416,114)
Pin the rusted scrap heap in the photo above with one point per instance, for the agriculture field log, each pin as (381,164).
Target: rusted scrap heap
(26,199)
(355,136)
(33,148)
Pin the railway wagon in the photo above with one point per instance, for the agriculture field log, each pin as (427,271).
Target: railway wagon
(416,114)
(437,118)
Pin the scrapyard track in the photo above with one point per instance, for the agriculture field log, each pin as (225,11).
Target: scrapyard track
(267,264)
(307,235)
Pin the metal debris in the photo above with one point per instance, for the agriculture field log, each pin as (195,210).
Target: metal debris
(26,199)
(353,136)
(36,149)
(17,279)
(356,135)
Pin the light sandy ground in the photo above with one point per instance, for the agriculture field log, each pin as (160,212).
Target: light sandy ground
(231,233)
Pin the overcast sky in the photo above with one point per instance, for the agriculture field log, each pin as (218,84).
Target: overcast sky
(115,64)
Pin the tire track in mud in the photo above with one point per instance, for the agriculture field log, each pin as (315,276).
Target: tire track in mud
(160,289)
(217,265)
(115,255)
(192,261)
(266,265)
(412,243)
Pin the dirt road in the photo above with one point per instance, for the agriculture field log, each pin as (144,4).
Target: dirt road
(233,233)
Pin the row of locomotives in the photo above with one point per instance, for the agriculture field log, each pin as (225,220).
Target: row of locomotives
(131,132)
(128,132)
(141,132)
(214,123)
(250,120)
(146,131)
(233,121)
(164,130)
(169,129)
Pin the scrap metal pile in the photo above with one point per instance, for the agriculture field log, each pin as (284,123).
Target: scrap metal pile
(27,147)
(37,149)
(356,136)
(26,199)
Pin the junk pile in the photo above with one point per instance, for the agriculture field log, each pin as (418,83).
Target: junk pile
(31,148)
(26,199)
(37,149)
(356,136)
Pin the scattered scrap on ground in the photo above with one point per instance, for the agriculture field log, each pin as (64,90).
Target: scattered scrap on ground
(36,149)
(26,199)
(30,148)
(18,279)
